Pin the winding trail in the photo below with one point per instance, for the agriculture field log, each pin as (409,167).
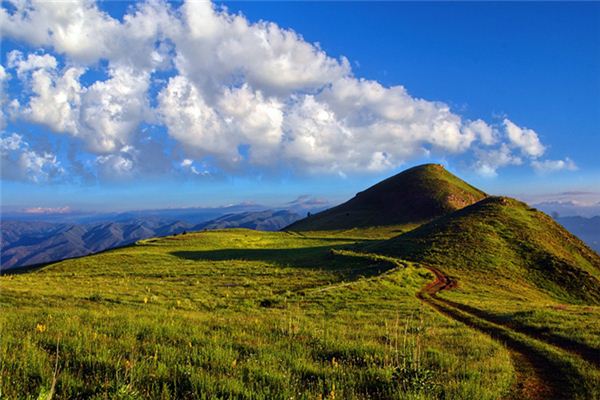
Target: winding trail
(547,367)
(538,377)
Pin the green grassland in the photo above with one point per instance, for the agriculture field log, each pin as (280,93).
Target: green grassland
(520,271)
(315,315)
(238,314)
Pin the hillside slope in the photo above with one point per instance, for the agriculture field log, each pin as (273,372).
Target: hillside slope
(236,314)
(416,195)
(501,239)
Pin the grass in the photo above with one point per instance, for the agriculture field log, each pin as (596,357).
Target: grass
(520,273)
(411,197)
(238,314)
(314,315)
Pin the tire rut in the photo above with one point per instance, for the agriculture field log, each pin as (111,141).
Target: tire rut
(537,376)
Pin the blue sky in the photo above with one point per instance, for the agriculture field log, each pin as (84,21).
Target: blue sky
(195,105)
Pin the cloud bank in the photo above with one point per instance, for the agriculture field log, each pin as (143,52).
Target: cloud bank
(227,92)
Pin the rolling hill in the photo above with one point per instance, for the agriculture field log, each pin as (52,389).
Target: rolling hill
(486,298)
(503,237)
(413,196)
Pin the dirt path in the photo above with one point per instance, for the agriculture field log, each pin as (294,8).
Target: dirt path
(537,376)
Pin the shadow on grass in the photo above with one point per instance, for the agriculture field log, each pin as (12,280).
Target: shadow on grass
(320,258)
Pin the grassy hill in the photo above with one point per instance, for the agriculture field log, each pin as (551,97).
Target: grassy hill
(519,276)
(413,196)
(492,300)
(505,238)
(237,314)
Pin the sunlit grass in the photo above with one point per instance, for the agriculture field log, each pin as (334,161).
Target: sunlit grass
(238,314)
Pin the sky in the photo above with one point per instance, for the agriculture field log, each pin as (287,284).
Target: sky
(120,105)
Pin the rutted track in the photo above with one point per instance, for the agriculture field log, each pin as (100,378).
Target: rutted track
(538,376)
(545,370)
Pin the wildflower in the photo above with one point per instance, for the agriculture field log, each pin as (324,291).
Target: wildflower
(40,328)
(145,300)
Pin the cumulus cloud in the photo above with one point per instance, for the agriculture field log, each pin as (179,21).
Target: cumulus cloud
(526,140)
(488,161)
(234,93)
(20,162)
(76,28)
(32,62)
(4,76)
(55,98)
(188,165)
(112,110)
(216,48)
(104,114)
(117,166)
(554,165)
(191,121)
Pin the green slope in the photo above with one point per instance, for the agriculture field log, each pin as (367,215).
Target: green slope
(237,314)
(502,238)
(413,196)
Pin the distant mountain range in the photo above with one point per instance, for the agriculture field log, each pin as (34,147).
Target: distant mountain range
(27,239)
(569,208)
(29,242)
(586,229)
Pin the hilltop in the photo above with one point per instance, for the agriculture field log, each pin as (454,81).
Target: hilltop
(413,196)
(505,238)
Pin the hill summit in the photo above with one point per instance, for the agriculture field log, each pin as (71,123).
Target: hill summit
(503,238)
(414,196)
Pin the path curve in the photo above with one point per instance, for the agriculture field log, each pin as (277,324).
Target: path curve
(533,378)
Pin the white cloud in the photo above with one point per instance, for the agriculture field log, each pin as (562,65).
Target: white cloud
(218,48)
(117,166)
(234,85)
(480,129)
(258,121)
(112,110)
(188,165)
(554,165)
(104,115)
(488,161)
(315,138)
(47,210)
(32,62)
(56,99)
(20,162)
(4,76)
(77,28)
(193,122)
(525,139)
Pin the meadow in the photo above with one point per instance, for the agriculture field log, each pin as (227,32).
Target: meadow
(276,315)
(237,314)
